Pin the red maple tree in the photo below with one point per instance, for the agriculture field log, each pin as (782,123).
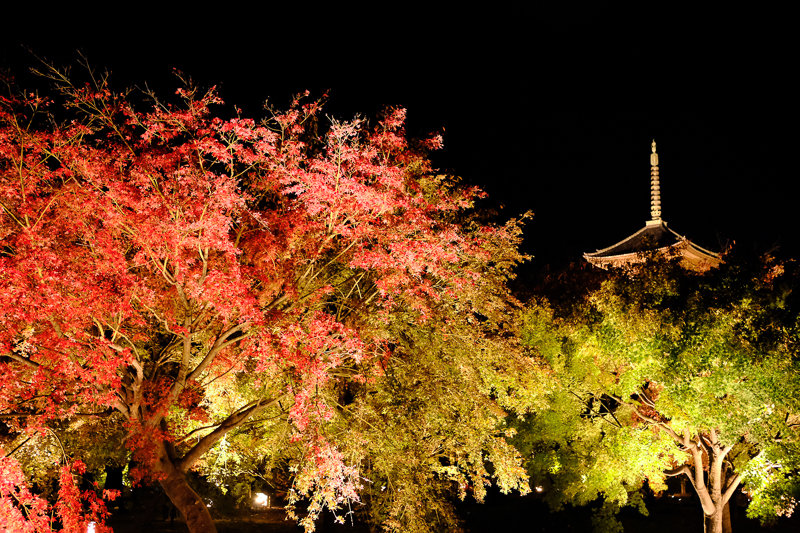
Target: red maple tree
(153,262)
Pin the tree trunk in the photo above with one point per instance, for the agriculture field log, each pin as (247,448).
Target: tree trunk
(726,518)
(720,521)
(186,500)
(713,523)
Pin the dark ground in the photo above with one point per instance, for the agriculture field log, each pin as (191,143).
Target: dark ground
(499,515)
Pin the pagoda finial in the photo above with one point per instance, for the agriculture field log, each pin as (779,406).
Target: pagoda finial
(655,187)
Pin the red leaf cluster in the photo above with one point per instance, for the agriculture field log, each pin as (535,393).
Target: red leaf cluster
(145,255)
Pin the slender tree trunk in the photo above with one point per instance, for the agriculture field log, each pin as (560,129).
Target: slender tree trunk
(186,500)
(713,522)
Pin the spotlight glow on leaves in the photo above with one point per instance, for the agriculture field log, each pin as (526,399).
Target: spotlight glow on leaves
(662,372)
(186,276)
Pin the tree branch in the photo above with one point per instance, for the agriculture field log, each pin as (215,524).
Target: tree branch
(219,345)
(683,469)
(671,432)
(731,488)
(619,425)
(233,421)
(23,360)
(645,399)
(699,483)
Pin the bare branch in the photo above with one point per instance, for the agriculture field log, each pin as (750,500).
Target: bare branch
(714,439)
(192,432)
(23,360)
(233,421)
(671,432)
(700,443)
(20,445)
(619,425)
(645,399)
(219,345)
(731,488)
(683,469)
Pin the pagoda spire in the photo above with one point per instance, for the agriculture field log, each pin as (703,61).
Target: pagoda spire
(655,187)
(655,238)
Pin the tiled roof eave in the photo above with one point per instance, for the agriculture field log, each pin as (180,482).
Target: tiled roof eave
(685,249)
(624,243)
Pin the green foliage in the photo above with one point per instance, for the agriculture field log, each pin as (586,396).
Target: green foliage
(772,485)
(655,354)
(426,438)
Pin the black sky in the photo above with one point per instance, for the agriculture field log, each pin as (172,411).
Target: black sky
(548,110)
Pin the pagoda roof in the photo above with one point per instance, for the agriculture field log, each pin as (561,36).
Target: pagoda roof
(655,238)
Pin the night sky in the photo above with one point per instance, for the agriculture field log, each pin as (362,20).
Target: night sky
(548,111)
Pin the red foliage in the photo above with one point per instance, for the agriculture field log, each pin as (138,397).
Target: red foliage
(143,255)
(24,512)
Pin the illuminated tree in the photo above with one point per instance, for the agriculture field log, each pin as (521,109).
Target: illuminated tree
(668,373)
(206,285)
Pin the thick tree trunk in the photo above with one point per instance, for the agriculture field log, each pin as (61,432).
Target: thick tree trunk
(720,522)
(726,518)
(713,523)
(186,500)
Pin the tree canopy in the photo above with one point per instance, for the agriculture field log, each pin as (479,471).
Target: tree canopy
(662,372)
(177,280)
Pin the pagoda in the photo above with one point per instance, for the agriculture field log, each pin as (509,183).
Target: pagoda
(655,238)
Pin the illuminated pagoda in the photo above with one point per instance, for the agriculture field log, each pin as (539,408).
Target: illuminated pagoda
(654,238)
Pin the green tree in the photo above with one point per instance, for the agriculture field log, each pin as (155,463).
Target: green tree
(663,372)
